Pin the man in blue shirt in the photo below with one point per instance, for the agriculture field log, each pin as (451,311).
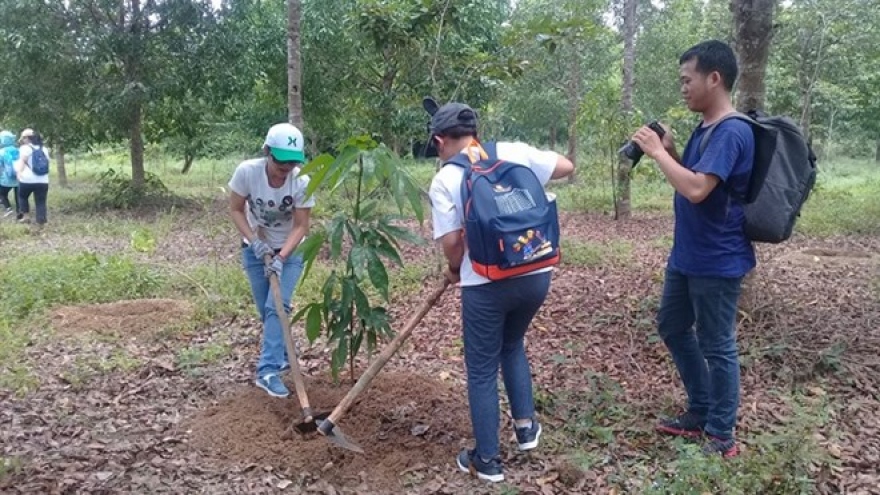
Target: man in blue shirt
(710,252)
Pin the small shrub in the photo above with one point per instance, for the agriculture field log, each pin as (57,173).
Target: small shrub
(116,190)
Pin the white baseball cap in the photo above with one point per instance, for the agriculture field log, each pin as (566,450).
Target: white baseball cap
(285,143)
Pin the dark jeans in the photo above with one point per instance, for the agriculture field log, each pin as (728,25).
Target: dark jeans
(4,197)
(706,354)
(40,191)
(495,318)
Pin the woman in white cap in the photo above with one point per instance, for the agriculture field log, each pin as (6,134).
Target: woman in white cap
(32,169)
(269,206)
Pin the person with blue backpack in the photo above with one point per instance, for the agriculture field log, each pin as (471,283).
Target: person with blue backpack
(499,234)
(8,180)
(32,168)
(711,252)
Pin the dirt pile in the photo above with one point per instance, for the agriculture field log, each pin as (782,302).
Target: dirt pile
(122,317)
(407,424)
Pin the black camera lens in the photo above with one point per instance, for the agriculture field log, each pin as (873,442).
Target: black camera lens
(633,151)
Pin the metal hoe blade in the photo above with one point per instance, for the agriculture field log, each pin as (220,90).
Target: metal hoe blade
(309,424)
(335,435)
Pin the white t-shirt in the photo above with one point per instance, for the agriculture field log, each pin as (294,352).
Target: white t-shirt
(270,207)
(26,175)
(447,212)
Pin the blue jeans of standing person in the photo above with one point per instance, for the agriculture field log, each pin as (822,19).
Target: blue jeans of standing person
(40,191)
(273,353)
(697,321)
(495,318)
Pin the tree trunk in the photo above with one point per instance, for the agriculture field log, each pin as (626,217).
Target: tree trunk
(294,64)
(59,163)
(574,103)
(753,25)
(553,139)
(877,152)
(133,61)
(138,178)
(622,207)
(622,204)
(188,159)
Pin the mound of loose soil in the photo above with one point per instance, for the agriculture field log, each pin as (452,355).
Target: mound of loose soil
(122,317)
(404,422)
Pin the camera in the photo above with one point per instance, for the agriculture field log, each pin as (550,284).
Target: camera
(632,150)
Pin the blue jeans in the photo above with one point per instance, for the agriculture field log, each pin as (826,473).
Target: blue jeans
(495,317)
(273,353)
(706,355)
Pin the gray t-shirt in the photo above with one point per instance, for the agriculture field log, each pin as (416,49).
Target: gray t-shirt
(269,207)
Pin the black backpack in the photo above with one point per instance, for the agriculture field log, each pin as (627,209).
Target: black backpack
(783,174)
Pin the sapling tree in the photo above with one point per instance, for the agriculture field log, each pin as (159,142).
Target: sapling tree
(363,237)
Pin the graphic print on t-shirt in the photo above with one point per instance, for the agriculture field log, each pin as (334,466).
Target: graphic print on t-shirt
(267,214)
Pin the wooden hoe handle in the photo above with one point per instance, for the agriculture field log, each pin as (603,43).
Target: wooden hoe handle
(292,358)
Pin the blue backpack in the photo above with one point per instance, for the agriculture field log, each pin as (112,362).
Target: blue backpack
(39,162)
(511,228)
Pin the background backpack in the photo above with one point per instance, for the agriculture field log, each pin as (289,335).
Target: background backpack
(511,228)
(39,162)
(783,174)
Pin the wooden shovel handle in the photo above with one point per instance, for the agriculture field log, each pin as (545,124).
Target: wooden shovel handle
(383,357)
(292,358)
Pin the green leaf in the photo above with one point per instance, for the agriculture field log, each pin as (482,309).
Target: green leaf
(356,340)
(386,248)
(339,356)
(358,257)
(317,171)
(309,250)
(361,302)
(313,322)
(400,233)
(336,230)
(377,272)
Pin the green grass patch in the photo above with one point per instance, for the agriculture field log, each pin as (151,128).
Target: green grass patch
(32,283)
(14,375)
(577,252)
(10,466)
(85,368)
(846,200)
(191,358)
(780,460)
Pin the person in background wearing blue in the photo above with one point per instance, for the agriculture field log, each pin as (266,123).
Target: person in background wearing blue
(269,207)
(30,182)
(710,252)
(8,180)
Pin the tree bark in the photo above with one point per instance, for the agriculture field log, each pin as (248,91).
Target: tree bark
(294,64)
(877,152)
(138,177)
(753,25)
(622,206)
(59,163)
(133,70)
(574,103)
(552,143)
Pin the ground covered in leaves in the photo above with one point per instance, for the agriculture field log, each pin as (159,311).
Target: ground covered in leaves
(131,401)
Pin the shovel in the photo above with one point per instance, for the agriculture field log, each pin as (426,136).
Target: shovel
(307,424)
(327,427)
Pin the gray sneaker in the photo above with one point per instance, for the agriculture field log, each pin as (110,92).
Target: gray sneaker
(469,462)
(273,385)
(528,438)
(9,211)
